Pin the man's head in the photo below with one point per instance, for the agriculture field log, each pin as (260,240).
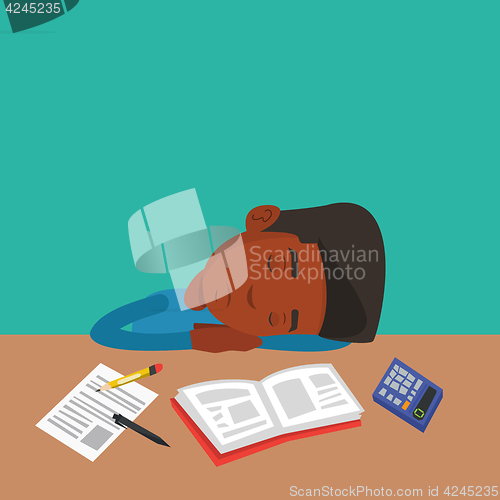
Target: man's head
(280,293)
(276,277)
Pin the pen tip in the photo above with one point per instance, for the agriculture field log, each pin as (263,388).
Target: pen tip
(98,390)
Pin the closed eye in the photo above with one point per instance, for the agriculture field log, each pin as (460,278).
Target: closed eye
(294,266)
(250,297)
(295,320)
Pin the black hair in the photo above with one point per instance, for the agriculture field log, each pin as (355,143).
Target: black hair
(345,233)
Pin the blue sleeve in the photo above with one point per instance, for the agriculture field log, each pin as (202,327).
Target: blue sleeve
(305,343)
(160,316)
(108,331)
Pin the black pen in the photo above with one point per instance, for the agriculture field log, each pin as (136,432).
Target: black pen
(125,422)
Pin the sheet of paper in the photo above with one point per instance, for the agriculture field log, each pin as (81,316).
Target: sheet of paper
(233,410)
(83,419)
(310,393)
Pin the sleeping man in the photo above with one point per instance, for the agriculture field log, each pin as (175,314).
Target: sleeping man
(296,280)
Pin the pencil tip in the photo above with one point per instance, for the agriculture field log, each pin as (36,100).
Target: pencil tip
(98,390)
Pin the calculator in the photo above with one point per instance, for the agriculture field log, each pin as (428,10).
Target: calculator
(408,394)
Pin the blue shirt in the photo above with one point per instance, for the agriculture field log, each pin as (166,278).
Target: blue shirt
(159,324)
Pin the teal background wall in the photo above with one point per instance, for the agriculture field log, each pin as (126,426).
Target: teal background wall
(393,105)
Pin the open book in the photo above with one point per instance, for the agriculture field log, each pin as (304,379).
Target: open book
(234,418)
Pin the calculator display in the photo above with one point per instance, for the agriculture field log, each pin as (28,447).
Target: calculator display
(424,403)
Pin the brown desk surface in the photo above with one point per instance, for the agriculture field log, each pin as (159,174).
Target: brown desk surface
(460,446)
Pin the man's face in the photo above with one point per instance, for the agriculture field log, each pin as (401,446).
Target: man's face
(263,283)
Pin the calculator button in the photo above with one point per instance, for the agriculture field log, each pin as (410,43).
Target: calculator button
(407,383)
(395,386)
(403,390)
(410,398)
(399,378)
(403,372)
(387,380)
(405,406)
(397,401)
(396,367)
(382,392)
(389,397)
(411,378)
(393,374)
(419,413)
(418,384)
(414,393)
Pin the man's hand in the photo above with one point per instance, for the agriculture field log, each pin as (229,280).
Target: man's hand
(220,338)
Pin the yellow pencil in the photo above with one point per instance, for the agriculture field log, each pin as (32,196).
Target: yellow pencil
(152,370)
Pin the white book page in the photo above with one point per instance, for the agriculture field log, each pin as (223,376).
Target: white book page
(83,419)
(231,411)
(311,396)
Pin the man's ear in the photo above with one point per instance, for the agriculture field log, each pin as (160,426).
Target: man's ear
(260,218)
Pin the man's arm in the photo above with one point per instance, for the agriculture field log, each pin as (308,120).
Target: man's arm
(108,330)
(304,343)
(221,338)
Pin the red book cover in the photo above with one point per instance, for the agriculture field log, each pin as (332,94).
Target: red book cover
(224,458)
